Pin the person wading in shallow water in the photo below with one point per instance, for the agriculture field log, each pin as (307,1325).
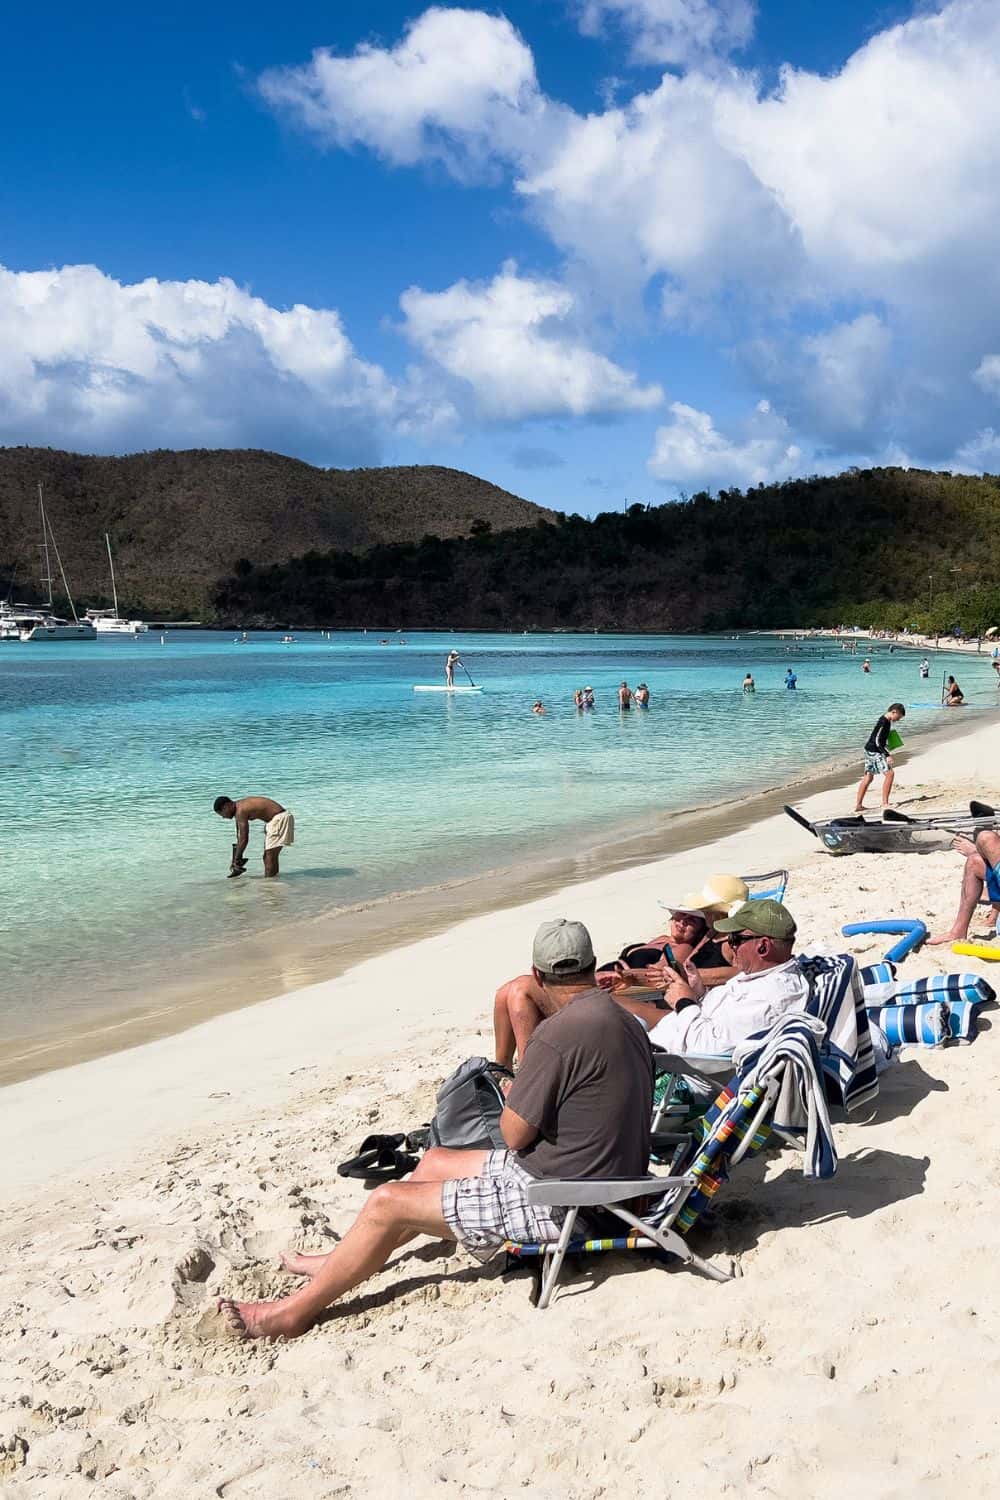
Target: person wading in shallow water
(279,829)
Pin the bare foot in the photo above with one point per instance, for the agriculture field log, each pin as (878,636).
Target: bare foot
(263,1320)
(948,937)
(965,846)
(297,1264)
(860,809)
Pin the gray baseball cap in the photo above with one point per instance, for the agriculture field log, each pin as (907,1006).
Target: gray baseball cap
(562,947)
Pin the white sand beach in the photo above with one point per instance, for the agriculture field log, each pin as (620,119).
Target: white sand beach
(854,1348)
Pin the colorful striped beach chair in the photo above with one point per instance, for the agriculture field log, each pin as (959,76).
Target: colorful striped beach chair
(847,1055)
(737,1125)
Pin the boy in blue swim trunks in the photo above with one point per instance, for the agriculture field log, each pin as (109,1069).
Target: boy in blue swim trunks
(982,868)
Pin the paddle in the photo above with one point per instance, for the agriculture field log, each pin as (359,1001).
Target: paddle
(466,671)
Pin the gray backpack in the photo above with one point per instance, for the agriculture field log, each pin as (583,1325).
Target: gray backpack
(469,1105)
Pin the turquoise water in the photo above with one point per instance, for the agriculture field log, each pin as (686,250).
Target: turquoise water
(112,752)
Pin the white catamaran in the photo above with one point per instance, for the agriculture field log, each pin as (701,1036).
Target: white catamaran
(109,621)
(42,624)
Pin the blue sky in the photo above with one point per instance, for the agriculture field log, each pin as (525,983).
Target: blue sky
(593,250)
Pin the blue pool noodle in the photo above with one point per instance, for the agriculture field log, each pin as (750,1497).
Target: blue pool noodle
(913,934)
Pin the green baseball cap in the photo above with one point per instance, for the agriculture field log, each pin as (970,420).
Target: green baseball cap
(562,947)
(765,918)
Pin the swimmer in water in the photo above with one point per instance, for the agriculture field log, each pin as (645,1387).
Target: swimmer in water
(625,698)
(642,695)
(749,686)
(538,707)
(925,668)
(866,665)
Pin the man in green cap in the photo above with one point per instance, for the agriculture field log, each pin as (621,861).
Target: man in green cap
(758,940)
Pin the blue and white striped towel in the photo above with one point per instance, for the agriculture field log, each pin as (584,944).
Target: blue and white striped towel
(947,987)
(789,1053)
(836,997)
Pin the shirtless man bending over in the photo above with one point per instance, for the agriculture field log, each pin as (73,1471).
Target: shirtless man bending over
(279,829)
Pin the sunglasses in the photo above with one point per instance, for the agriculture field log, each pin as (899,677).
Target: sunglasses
(734,939)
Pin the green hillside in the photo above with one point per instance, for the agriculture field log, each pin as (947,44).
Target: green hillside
(180,521)
(878,546)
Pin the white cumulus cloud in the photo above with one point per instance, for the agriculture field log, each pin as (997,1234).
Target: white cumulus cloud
(675,32)
(517,343)
(690,451)
(459,87)
(90,362)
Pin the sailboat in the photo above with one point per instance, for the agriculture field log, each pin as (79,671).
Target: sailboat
(42,624)
(109,621)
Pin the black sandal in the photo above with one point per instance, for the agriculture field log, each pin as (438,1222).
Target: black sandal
(380,1159)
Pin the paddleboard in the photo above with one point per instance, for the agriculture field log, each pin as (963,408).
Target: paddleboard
(421,688)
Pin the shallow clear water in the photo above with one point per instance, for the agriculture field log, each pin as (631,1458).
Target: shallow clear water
(112,752)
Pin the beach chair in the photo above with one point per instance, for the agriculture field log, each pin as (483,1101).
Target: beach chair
(778,1088)
(837,999)
(771,886)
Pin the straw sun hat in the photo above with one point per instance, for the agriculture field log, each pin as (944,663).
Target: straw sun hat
(720,895)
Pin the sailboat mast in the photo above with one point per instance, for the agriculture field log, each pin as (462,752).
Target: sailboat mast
(47,575)
(111,565)
(62,570)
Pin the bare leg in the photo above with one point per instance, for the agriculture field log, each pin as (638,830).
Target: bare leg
(271,857)
(395,1212)
(865,783)
(973,879)
(887,781)
(518,1008)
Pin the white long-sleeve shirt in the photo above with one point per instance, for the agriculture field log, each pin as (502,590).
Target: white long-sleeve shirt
(735,1010)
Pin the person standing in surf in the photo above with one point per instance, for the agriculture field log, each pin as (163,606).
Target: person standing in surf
(279,829)
(454,660)
(878,757)
(624,697)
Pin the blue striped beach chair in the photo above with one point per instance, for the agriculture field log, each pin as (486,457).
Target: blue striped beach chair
(737,1125)
(771,886)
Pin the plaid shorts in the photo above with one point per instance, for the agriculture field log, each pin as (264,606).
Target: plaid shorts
(876,764)
(482,1212)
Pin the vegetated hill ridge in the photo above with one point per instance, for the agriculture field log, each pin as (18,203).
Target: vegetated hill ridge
(877,546)
(180,521)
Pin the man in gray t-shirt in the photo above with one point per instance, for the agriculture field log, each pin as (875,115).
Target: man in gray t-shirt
(580,1106)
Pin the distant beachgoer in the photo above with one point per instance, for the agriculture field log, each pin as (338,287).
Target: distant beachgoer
(953,695)
(454,660)
(925,668)
(624,697)
(866,665)
(749,686)
(878,757)
(279,829)
(538,707)
(588,697)
(996,668)
(982,868)
(578,698)
(790,680)
(642,695)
